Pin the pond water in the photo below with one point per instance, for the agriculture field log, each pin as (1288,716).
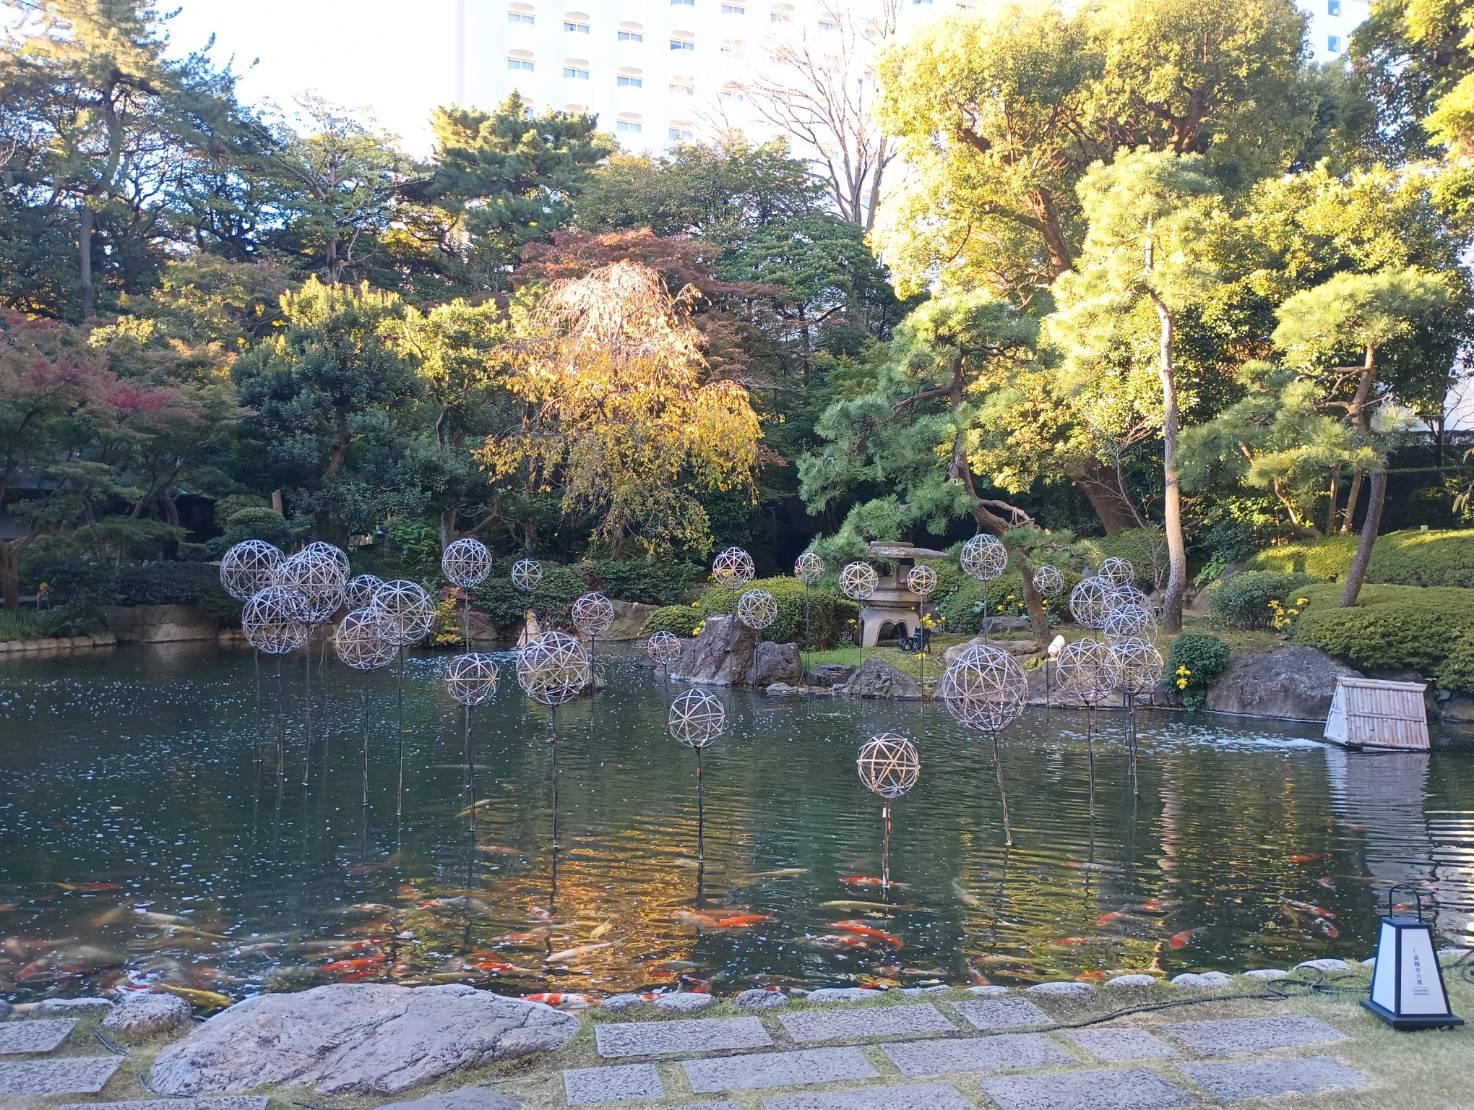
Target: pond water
(142,839)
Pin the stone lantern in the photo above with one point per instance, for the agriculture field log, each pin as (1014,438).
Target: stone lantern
(894,603)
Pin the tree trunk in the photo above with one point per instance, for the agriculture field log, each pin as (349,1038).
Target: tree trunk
(1171,486)
(1333,493)
(1358,572)
(84,263)
(1357,476)
(1033,603)
(448,526)
(1101,488)
(10,575)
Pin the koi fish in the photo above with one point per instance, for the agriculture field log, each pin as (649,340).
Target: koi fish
(1306,907)
(470,809)
(205,1000)
(558,1000)
(601,930)
(495,967)
(1326,927)
(743,920)
(838,940)
(1094,976)
(351,971)
(849,904)
(1182,939)
(574,953)
(537,913)
(499,850)
(859,928)
(781,873)
(696,986)
(1327,882)
(1070,942)
(1109,918)
(518,940)
(867,880)
(961,894)
(1156,905)
(7,907)
(976,977)
(161,918)
(696,918)
(1082,865)
(1308,857)
(90,888)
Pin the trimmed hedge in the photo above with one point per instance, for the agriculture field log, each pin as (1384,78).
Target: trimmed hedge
(504,604)
(966,606)
(1145,548)
(90,587)
(647,581)
(1409,558)
(678,620)
(1456,672)
(1205,657)
(1243,601)
(1391,627)
(829,612)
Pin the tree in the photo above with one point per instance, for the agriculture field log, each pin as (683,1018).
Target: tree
(1414,60)
(1142,268)
(921,403)
(1362,313)
(817,90)
(621,415)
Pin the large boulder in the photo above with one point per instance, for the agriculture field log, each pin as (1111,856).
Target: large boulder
(629,621)
(160,624)
(728,653)
(140,1015)
(356,1038)
(775,663)
(878,679)
(1295,683)
(828,674)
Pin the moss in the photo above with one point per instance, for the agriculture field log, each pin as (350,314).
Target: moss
(1410,558)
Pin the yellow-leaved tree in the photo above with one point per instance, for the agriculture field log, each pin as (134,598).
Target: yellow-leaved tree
(622,415)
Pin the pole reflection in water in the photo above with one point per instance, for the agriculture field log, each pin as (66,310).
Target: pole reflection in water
(137,788)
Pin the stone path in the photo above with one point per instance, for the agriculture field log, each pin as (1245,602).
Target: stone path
(1003,1052)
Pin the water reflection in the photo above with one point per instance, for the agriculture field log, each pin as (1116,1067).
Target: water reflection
(156,827)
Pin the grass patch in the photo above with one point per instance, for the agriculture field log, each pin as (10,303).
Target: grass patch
(906,662)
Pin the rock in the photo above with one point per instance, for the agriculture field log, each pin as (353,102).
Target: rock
(1207,981)
(1266,974)
(774,663)
(1458,709)
(618,1003)
(783,689)
(1065,987)
(6,1009)
(720,656)
(826,995)
(1131,981)
(357,1038)
(1295,683)
(138,1016)
(1324,965)
(629,621)
(828,674)
(684,1002)
(160,624)
(467,1098)
(759,999)
(70,1007)
(878,679)
(989,991)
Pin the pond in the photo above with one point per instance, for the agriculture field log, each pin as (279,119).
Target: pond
(143,839)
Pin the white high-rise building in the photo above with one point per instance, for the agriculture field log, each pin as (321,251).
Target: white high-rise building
(1331,24)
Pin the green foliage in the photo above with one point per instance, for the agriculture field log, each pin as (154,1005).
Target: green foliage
(678,620)
(830,612)
(1144,548)
(1243,601)
(505,605)
(1392,627)
(257,524)
(1409,558)
(653,582)
(1456,672)
(965,607)
(1194,661)
(43,624)
(83,587)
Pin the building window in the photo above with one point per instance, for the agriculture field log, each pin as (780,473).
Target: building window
(629,81)
(733,9)
(526,18)
(627,126)
(1333,7)
(574,27)
(680,134)
(733,47)
(682,44)
(1333,44)
(631,36)
(575,73)
(519,65)
(733,94)
(683,3)
(828,25)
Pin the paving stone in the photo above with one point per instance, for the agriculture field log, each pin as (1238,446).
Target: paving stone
(662,1038)
(777,1069)
(1226,1036)
(617,1003)
(462,1098)
(1065,987)
(759,999)
(837,1025)
(684,1002)
(1132,981)
(1305,1075)
(74,1075)
(826,995)
(219,1102)
(34,1036)
(1121,1044)
(1324,965)
(1207,981)
(1002,1013)
(976,1054)
(940,988)
(907,1096)
(1267,974)
(989,991)
(1124,1089)
(619,1083)
(708,1106)
(69,1007)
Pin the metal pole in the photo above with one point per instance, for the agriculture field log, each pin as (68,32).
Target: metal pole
(256,665)
(307,710)
(1002,795)
(700,814)
(399,695)
(885,847)
(363,728)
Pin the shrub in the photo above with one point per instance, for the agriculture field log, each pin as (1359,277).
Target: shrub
(1251,599)
(1391,627)
(1144,548)
(258,523)
(965,608)
(1194,662)
(678,620)
(32,624)
(830,612)
(650,582)
(1410,558)
(505,605)
(1456,672)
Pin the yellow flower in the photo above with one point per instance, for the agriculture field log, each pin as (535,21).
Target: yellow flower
(1302,601)
(694,604)
(1182,684)
(1000,609)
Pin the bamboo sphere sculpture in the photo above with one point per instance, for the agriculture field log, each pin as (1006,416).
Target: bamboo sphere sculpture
(274,620)
(471,678)
(1117,571)
(316,574)
(553,668)
(1090,601)
(324,550)
(247,568)
(984,688)
(1128,594)
(858,581)
(922,580)
(407,608)
(1138,666)
(757,609)
(696,718)
(808,568)
(733,567)
(1126,622)
(358,591)
(593,614)
(663,647)
(1086,671)
(364,640)
(889,765)
(527,574)
(1049,581)
(984,557)
(466,563)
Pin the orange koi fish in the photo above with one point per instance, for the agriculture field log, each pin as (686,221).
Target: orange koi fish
(1091,976)
(697,918)
(1182,939)
(867,880)
(859,928)
(1070,942)
(558,1000)
(352,971)
(743,920)
(1308,857)
(1326,927)
(1109,918)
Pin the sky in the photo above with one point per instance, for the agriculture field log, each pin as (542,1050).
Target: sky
(394,58)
